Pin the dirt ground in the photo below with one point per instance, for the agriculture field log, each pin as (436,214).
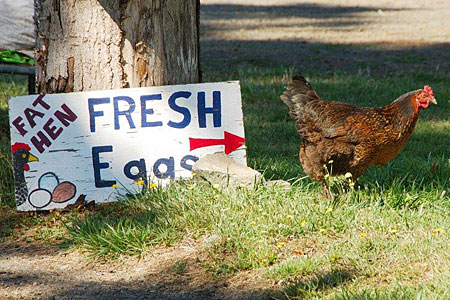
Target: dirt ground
(42,272)
(329,35)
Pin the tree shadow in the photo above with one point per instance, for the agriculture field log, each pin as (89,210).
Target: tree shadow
(301,10)
(281,16)
(326,57)
(400,292)
(283,39)
(96,285)
(318,283)
(192,283)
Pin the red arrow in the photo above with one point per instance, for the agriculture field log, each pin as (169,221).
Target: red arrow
(230,141)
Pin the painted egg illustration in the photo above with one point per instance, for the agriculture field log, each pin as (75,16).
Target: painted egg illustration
(64,192)
(48,181)
(40,198)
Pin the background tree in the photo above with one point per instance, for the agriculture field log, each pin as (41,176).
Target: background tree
(104,44)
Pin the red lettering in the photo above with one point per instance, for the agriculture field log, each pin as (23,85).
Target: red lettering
(41,102)
(43,140)
(69,115)
(53,131)
(30,114)
(19,125)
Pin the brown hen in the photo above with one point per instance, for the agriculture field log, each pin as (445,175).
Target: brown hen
(353,138)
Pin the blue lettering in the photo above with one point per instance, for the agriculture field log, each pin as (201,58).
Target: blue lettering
(182,110)
(126,113)
(170,165)
(184,162)
(142,170)
(92,112)
(216,109)
(99,183)
(148,111)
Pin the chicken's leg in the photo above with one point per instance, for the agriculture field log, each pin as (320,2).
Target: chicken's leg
(325,190)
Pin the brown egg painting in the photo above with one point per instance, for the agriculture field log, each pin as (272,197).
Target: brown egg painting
(63,192)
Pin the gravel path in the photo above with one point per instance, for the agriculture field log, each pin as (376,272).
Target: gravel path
(326,35)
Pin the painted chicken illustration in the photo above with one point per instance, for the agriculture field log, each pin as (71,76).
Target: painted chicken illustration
(352,138)
(50,189)
(21,157)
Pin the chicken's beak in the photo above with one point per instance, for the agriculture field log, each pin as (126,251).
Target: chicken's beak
(433,100)
(31,158)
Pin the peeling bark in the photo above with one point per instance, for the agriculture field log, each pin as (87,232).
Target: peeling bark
(105,44)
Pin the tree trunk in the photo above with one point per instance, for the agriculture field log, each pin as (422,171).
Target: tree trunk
(105,44)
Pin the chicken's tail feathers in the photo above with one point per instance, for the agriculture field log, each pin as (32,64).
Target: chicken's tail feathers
(298,91)
(304,104)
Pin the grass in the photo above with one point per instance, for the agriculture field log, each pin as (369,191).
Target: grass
(389,239)
(8,86)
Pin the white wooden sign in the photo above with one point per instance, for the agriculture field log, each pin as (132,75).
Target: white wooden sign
(102,145)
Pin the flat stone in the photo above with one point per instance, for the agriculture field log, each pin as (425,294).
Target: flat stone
(279,183)
(219,168)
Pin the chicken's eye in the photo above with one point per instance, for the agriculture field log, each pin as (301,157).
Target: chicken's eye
(24,155)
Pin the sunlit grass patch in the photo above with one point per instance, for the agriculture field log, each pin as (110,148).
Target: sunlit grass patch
(388,237)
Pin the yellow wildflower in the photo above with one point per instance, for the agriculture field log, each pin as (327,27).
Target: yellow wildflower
(153,185)
(363,234)
(114,186)
(140,182)
(322,230)
(394,230)
(303,223)
(328,210)
(281,244)
(335,256)
(438,230)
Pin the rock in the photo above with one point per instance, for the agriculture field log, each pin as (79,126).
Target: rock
(279,183)
(219,168)
(212,238)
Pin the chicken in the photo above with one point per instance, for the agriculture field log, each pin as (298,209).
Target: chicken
(21,157)
(352,138)
(49,188)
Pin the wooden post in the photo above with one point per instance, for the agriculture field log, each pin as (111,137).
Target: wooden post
(105,44)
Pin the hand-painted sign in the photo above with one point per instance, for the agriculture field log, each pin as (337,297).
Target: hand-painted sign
(106,144)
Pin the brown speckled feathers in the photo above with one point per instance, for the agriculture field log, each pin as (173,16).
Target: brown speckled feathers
(353,137)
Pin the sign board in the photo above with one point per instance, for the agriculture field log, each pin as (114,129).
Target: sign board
(102,145)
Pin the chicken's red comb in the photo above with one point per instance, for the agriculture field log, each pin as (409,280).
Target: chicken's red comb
(18,146)
(428,90)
